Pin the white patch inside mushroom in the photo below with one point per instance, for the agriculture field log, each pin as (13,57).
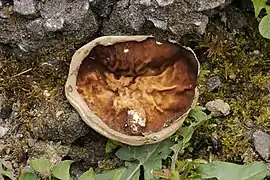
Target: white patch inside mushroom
(137,120)
(126,50)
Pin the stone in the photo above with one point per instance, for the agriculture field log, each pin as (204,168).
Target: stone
(158,23)
(5,112)
(178,18)
(128,19)
(164,2)
(31,34)
(65,128)
(187,23)
(43,20)
(74,14)
(202,5)
(3,131)
(89,150)
(54,24)
(1,4)
(218,108)
(25,7)
(213,83)
(49,150)
(261,142)
(31,142)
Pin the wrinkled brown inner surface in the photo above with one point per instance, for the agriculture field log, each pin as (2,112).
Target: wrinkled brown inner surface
(157,81)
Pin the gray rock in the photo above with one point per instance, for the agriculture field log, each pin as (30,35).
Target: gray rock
(54,24)
(49,150)
(29,36)
(89,149)
(75,15)
(213,83)
(76,20)
(25,7)
(202,5)
(66,128)
(31,142)
(1,4)
(124,18)
(262,144)
(5,112)
(164,2)
(179,18)
(3,131)
(218,108)
(187,23)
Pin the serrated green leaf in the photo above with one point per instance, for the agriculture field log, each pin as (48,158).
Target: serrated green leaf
(88,175)
(225,171)
(148,156)
(109,174)
(186,133)
(175,175)
(43,166)
(198,115)
(264,27)
(61,170)
(28,176)
(258,6)
(118,174)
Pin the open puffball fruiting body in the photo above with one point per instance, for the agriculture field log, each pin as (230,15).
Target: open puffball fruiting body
(133,89)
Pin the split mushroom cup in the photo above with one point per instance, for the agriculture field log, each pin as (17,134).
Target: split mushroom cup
(133,89)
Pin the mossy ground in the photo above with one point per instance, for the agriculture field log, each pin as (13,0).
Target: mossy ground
(241,60)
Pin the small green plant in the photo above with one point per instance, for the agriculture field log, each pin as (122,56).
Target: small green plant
(264,26)
(147,161)
(47,170)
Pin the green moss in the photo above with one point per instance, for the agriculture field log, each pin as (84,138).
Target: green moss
(244,72)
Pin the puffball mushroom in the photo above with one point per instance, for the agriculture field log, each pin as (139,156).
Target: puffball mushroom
(133,89)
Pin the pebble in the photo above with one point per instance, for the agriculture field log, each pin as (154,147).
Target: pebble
(25,7)
(31,142)
(218,108)
(5,112)
(59,113)
(213,83)
(261,142)
(46,93)
(7,164)
(3,131)
(15,165)
(54,24)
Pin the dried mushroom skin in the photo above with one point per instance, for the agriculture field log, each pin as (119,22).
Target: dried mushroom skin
(138,87)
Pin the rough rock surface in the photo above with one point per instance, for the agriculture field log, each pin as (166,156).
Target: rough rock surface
(3,131)
(176,17)
(262,144)
(31,25)
(26,7)
(73,19)
(57,123)
(213,83)
(218,108)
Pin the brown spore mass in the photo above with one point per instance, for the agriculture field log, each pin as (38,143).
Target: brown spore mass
(155,80)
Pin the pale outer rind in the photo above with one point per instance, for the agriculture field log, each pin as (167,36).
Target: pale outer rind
(77,101)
